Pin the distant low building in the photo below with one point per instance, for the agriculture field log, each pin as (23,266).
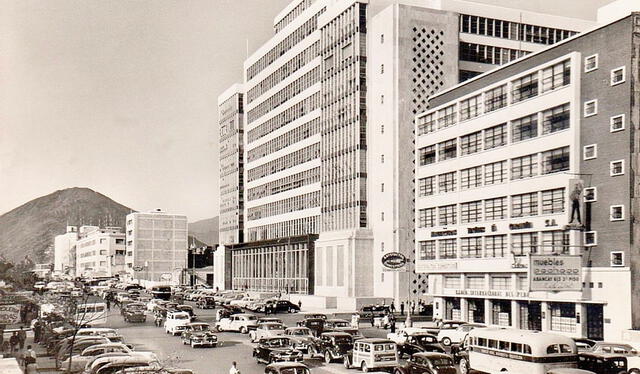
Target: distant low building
(63,245)
(43,270)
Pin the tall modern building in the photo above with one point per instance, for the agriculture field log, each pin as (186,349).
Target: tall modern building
(100,252)
(156,244)
(525,192)
(64,244)
(329,103)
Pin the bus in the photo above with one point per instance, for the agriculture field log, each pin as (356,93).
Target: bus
(94,314)
(161,292)
(495,350)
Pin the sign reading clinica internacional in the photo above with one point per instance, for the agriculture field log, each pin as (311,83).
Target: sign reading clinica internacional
(555,273)
(394,261)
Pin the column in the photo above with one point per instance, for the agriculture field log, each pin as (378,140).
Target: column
(515,314)
(546,316)
(581,319)
(464,309)
(488,312)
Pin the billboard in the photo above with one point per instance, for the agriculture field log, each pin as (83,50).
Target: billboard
(555,273)
(575,213)
(394,261)
(9,314)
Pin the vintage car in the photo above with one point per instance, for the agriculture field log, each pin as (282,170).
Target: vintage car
(445,325)
(339,325)
(419,342)
(266,330)
(400,336)
(617,348)
(368,311)
(277,306)
(427,363)
(316,325)
(603,363)
(241,323)
(245,301)
(134,312)
(286,368)
(331,346)
(206,302)
(199,334)
(187,309)
(569,371)
(584,344)
(78,362)
(301,338)
(372,353)
(314,316)
(448,336)
(176,322)
(276,349)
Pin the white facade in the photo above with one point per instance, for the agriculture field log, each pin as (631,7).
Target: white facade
(63,245)
(156,245)
(100,252)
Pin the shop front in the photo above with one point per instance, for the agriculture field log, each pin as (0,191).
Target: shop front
(476,310)
(501,312)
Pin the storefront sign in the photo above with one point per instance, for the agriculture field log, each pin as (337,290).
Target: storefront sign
(9,314)
(435,234)
(394,261)
(555,273)
(520,226)
(429,266)
(489,293)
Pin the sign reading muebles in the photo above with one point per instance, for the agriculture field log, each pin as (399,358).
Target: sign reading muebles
(555,273)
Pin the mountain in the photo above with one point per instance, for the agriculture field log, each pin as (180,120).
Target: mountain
(205,230)
(30,228)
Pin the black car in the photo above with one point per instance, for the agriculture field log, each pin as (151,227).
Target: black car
(206,302)
(286,368)
(420,342)
(276,349)
(199,334)
(281,306)
(428,363)
(602,363)
(187,309)
(374,310)
(134,313)
(316,325)
(332,346)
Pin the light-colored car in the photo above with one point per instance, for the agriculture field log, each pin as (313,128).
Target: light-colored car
(244,302)
(242,323)
(114,364)
(446,337)
(78,362)
(153,303)
(176,322)
(401,335)
(266,330)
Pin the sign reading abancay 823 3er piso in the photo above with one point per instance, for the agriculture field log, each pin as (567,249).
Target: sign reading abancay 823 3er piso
(555,273)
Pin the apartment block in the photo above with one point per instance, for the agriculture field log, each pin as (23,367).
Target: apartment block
(100,252)
(527,170)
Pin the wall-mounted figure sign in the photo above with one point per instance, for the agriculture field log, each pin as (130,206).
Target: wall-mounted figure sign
(394,261)
(576,186)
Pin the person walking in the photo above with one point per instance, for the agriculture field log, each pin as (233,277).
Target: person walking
(108,304)
(413,307)
(234,368)
(392,307)
(402,307)
(30,361)
(22,337)
(37,329)
(14,341)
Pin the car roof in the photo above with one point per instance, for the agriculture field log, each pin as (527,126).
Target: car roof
(600,344)
(602,355)
(271,324)
(337,320)
(374,341)
(280,365)
(298,328)
(335,333)
(179,312)
(431,355)
(569,371)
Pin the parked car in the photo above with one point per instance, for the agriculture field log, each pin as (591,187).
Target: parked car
(372,353)
(245,301)
(135,312)
(301,338)
(420,342)
(176,322)
(286,368)
(610,347)
(332,346)
(314,316)
(367,311)
(266,330)
(238,322)
(316,325)
(153,370)
(584,344)
(444,325)
(187,309)
(400,336)
(78,362)
(339,325)
(428,363)
(112,364)
(603,363)
(206,302)
(276,349)
(199,334)
(448,336)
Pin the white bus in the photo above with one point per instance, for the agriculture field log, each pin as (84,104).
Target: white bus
(94,314)
(499,350)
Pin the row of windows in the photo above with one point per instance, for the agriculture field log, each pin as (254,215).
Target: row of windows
(491,246)
(512,30)
(285,117)
(298,157)
(522,205)
(309,79)
(285,184)
(283,72)
(546,122)
(299,133)
(286,44)
(548,79)
(293,14)
(295,227)
(488,54)
(292,204)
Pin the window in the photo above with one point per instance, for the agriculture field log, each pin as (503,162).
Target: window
(555,242)
(381,187)
(616,168)
(451,281)
(103,252)
(471,212)
(496,245)
(475,282)
(447,215)
(447,150)
(447,116)
(381,99)
(382,159)
(381,38)
(524,88)
(426,186)
(524,167)
(495,173)
(471,247)
(447,182)
(427,250)
(617,258)
(590,63)
(525,243)
(590,194)
(471,178)
(590,151)
(495,99)
(381,68)
(382,128)
(617,76)
(427,124)
(524,205)
(590,108)
(553,201)
(427,217)
(381,216)
(617,123)
(556,119)
(590,238)
(427,155)
(616,213)
(524,128)
(555,160)
(556,76)
(500,282)
(447,248)
(470,143)
(495,136)
(470,107)
(495,209)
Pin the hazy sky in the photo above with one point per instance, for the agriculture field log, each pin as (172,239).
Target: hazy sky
(120,96)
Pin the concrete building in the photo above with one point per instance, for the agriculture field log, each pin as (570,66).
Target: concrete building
(528,170)
(156,245)
(100,252)
(326,97)
(64,244)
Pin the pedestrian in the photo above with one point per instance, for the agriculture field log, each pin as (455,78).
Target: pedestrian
(300,304)
(14,341)
(413,307)
(373,320)
(392,307)
(402,307)
(108,304)
(22,337)
(36,331)
(393,324)
(234,368)
(30,361)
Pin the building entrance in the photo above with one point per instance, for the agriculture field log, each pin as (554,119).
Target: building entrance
(452,309)
(476,311)
(530,315)
(595,322)
(501,312)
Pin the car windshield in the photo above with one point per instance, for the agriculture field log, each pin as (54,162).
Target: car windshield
(343,340)
(299,332)
(427,339)
(294,371)
(250,318)
(341,324)
(200,328)
(181,316)
(441,362)
(275,343)
(275,327)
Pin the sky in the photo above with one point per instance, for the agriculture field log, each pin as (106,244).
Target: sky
(121,96)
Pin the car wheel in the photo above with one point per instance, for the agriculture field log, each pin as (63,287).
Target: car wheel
(243,330)
(446,342)
(363,367)
(464,366)
(346,362)
(327,357)
(218,329)
(633,371)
